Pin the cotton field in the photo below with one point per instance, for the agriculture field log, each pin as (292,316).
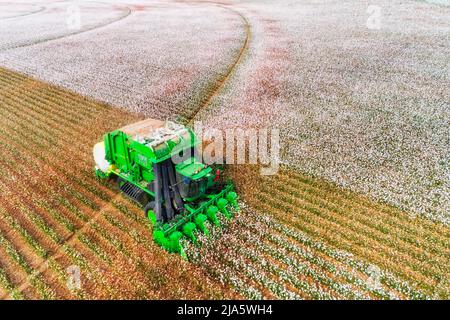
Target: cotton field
(127,55)
(358,90)
(364,108)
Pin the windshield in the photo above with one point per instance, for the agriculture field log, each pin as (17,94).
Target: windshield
(190,188)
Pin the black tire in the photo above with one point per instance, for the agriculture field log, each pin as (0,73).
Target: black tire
(150,215)
(149,206)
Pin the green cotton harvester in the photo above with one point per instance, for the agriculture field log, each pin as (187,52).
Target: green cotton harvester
(155,164)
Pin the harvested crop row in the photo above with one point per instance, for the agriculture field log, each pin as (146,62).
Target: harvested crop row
(82,221)
(41,287)
(406,225)
(48,239)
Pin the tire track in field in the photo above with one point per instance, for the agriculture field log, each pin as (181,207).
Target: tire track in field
(26,14)
(127,12)
(222,80)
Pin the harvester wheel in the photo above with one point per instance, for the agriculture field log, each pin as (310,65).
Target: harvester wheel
(149,212)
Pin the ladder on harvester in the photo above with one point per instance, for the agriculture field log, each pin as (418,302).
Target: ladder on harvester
(132,191)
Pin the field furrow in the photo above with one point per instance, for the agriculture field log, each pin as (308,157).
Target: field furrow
(363,227)
(423,233)
(42,289)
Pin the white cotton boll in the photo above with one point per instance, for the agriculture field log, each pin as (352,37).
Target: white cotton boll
(99,157)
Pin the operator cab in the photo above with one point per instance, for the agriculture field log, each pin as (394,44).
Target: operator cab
(193,178)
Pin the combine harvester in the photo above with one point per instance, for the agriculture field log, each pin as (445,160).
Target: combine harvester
(155,165)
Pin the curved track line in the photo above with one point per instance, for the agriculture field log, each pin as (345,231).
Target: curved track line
(40,9)
(91,28)
(220,83)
